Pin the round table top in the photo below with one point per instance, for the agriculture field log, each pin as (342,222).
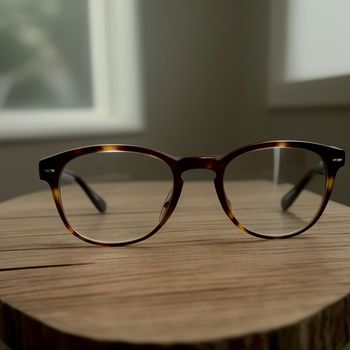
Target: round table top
(198,281)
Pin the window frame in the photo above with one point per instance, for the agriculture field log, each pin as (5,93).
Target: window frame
(332,91)
(116,82)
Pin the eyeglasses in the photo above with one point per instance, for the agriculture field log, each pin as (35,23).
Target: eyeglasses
(118,194)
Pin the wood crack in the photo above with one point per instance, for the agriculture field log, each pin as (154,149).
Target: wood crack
(39,267)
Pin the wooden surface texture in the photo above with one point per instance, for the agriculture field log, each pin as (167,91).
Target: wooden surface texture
(198,283)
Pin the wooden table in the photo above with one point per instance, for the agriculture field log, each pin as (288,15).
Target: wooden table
(199,283)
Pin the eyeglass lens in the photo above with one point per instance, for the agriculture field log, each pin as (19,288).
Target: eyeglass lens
(134,206)
(275,191)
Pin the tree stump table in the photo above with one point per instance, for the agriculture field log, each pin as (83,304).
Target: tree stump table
(199,283)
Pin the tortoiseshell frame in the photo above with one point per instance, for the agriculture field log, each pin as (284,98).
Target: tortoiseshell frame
(50,170)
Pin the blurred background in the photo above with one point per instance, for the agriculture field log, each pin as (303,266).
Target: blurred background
(188,77)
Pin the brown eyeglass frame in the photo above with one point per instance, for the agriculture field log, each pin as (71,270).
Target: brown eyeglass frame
(51,169)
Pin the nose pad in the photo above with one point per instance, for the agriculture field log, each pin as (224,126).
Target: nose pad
(229,203)
(165,205)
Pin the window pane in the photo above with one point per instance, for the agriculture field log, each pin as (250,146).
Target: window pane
(45,54)
(318,33)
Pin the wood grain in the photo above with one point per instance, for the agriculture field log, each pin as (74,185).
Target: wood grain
(198,283)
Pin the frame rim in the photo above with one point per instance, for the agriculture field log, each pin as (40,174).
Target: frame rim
(50,170)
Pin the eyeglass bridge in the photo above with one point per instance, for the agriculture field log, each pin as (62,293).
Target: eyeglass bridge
(203,162)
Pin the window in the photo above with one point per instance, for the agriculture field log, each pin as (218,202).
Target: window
(69,67)
(309,53)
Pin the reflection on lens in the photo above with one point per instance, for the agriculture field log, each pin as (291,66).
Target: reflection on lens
(115,197)
(276,191)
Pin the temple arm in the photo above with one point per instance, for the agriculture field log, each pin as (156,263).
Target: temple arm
(289,198)
(97,200)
